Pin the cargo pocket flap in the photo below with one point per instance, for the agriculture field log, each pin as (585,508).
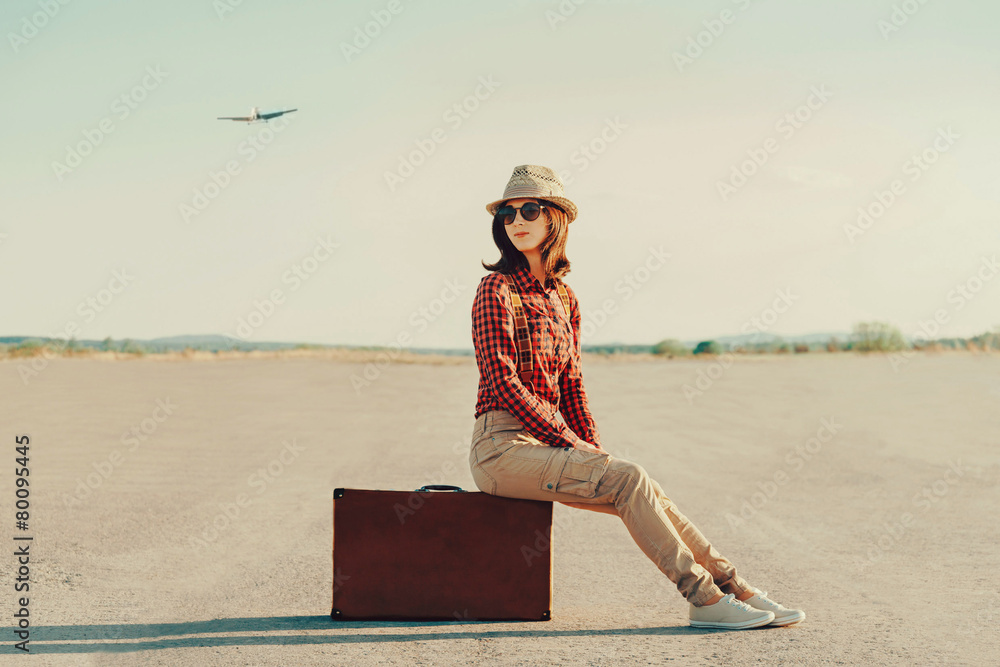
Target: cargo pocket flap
(581,473)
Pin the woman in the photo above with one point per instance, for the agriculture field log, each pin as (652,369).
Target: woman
(520,450)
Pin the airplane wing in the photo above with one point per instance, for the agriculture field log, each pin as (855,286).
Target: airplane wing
(275,114)
(245,119)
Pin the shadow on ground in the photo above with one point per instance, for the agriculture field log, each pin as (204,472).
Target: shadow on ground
(106,638)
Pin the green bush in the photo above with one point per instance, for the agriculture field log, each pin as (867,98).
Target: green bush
(877,337)
(131,347)
(707,347)
(27,348)
(671,347)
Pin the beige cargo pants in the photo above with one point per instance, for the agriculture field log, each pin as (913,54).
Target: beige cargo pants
(506,461)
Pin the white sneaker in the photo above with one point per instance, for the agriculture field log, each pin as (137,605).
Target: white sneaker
(729,613)
(782,614)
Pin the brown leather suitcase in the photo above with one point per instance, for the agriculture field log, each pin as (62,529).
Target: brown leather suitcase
(440,554)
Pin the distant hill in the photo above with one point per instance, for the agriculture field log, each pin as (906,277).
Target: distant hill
(219,343)
(763,338)
(205,343)
(210,343)
(193,340)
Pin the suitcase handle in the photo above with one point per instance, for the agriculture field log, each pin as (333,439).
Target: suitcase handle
(440,487)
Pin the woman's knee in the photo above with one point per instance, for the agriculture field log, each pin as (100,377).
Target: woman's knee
(635,471)
(621,476)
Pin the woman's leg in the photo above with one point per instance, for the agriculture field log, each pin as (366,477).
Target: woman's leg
(507,462)
(723,572)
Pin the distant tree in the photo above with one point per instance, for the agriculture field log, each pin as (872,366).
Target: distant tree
(129,346)
(28,348)
(671,347)
(707,347)
(801,348)
(833,345)
(107,344)
(877,337)
(784,348)
(989,341)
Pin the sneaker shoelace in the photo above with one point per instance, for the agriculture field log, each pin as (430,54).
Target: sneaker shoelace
(739,604)
(763,596)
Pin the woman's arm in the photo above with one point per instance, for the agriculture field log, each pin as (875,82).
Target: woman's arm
(573,398)
(496,354)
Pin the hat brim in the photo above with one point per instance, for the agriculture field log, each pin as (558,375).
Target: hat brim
(562,202)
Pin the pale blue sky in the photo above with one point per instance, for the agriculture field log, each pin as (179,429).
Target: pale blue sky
(681,131)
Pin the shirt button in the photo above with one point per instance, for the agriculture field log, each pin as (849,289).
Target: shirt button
(550,486)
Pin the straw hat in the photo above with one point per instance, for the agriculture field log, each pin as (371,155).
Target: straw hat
(531,180)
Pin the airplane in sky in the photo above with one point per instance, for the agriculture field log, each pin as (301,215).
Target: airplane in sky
(256,115)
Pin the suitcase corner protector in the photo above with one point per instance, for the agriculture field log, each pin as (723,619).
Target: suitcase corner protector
(338,493)
(547,615)
(335,614)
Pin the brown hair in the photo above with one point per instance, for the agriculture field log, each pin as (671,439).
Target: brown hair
(552,249)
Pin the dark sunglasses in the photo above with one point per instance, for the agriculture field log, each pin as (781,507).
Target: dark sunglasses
(529,212)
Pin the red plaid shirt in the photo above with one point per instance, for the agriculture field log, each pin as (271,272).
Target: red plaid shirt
(555,348)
